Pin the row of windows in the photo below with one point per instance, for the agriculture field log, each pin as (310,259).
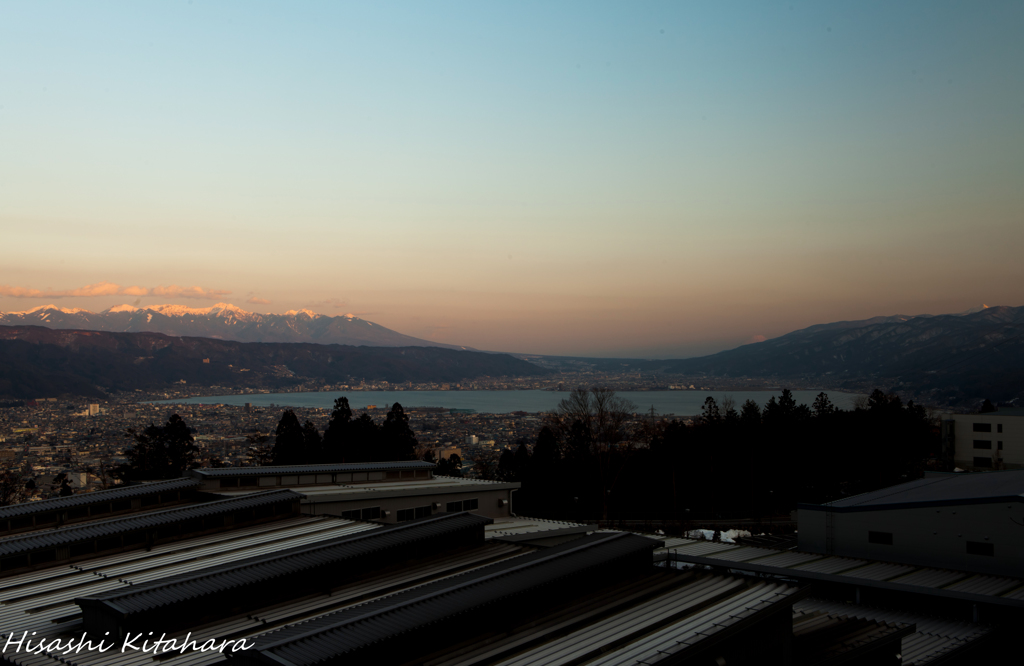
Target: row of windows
(311,479)
(987,427)
(987,444)
(464,505)
(369,513)
(973,547)
(402,515)
(411,514)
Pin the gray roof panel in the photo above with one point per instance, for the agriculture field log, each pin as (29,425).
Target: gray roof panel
(234,576)
(350,629)
(224,472)
(946,490)
(14,545)
(96,497)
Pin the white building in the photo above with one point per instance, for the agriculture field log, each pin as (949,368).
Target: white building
(989,441)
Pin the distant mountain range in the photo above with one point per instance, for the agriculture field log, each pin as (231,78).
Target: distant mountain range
(947,358)
(222,321)
(41,362)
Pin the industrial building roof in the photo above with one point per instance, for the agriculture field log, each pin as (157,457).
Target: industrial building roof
(944,490)
(223,472)
(411,488)
(261,569)
(104,528)
(661,613)
(97,497)
(997,590)
(933,639)
(346,631)
(517,529)
(43,601)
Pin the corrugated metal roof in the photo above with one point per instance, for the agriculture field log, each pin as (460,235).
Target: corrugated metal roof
(105,528)
(528,527)
(982,584)
(259,570)
(221,472)
(690,631)
(880,571)
(832,636)
(967,488)
(934,638)
(742,554)
(353,628)
(96,497)
(927,577)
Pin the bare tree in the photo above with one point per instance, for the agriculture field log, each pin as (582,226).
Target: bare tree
(12,489)
(595,423)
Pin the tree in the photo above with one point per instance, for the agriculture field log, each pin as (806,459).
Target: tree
(398,441)
(822,405)
(710,414)
(63,485)
(507,466)
(987,407)
(289,441)
(260,453)
(363,436)
(337,432)
(593,425)
(312,445)
(450,466)
(160,452)
(750,414)
(12,489)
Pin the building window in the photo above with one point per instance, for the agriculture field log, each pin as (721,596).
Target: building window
(982,462)
(470,504)
(883,538)
(409,514)
(453,507)
(229,483)
(999,445)
(350,515)
(371,513)
(982,427)
(978,548)
(983,443)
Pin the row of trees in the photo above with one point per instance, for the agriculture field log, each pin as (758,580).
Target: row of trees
(168,451)
(592,459)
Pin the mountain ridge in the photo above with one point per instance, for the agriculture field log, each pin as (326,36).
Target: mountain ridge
(222,321)
(39,361)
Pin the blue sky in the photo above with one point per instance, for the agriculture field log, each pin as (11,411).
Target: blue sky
(656,179)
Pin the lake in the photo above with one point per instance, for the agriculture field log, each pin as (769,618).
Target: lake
(679,403)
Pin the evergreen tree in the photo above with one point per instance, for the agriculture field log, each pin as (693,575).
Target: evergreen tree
(312,445)
(521,461)
(822,405)
(398,442)
(451,466)
(160,452)
(290,442)
(363,440)
(337,431)
(507,466)
(750,414)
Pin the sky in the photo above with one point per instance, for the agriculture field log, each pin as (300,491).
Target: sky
(644,179)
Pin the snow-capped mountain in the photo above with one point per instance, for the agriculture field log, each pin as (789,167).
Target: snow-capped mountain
(223,321)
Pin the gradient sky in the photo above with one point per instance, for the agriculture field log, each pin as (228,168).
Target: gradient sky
(586,178)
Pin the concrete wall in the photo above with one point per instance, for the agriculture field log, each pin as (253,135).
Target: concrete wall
(934,537)
(1012,437)
(493,503)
